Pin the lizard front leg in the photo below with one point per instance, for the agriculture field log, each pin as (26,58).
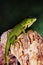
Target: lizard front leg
(23,30)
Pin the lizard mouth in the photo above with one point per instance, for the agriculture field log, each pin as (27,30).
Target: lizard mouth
(29,25)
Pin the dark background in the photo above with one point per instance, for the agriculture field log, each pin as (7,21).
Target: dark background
(13,12)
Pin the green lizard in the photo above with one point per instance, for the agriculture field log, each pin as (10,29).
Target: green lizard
(19,28)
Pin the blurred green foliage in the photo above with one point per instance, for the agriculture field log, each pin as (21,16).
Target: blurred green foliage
(13,12)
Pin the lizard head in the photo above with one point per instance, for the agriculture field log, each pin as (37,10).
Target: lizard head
(28,22)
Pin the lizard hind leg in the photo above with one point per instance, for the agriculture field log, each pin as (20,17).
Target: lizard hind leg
(12,41)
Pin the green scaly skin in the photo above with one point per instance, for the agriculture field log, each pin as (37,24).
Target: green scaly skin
(17,30)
